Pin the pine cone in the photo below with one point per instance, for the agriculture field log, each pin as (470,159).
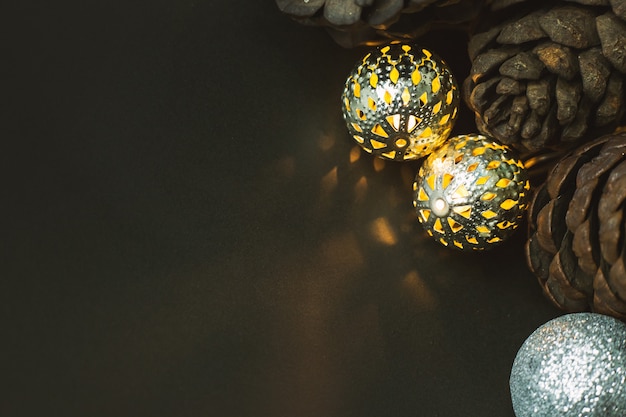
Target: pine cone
(576,220)
(546,78)
(373,22)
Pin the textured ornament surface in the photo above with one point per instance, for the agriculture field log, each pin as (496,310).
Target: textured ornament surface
(471,193)
(400,102)
(572,366)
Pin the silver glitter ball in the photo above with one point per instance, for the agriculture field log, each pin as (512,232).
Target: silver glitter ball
(400,102)
(572,366)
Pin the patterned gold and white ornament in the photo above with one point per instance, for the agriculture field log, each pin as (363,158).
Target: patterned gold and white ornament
(400,102)
(471,193)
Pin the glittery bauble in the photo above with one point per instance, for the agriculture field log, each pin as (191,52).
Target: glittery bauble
(471,193)
(400,102)
(572,366)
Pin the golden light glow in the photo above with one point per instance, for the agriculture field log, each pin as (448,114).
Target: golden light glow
(394,75)
(373,79)
(464,211)
(488,214)
(416,77)
(378,130)
(376,144)
(435,85)
(382,232)
(394,121)
(508,204)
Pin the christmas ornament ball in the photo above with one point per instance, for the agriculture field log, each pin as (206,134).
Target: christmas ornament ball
(400,102)
(471,193)
(572,366)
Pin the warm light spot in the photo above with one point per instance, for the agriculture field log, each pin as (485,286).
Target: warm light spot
(357,90)
(508,204)
(437,227)
(527,185)
(394,121)
(458,244)
(373,79)
(382,232)
(358,138)
(329,181)
(426,132)
(356,127)
(326,142)
(443,241)
(440,207)
(387,97)
(444,119)
(471,240)
(390,154)
(460,145)
(503,182)
(461,192)
(406,96)
(401,143)
(368,150)
(424,99)
(494,239)
(454,112)
(412,123)
(454,225)
(429,233)
(421,195)
(472,167)
(379,164)
(478,151)
(449,97)
(427,53)
(446,180)
(355,154)
(415,285)
(458,158)
(360,114)
(394,74)
(431,181)
(346,102)
(435,85)
(385,49)
(416,77)
(493,165)
(483,180)
(464,211)
(360,189)
(488,214)
(376,144)
(406,48)
(482,229)
(425,214)
(414,186)
(378,130)
(371,103)
(436,108)
(488,196)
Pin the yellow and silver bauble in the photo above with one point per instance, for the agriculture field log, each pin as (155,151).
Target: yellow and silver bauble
(400,102)
(471,193)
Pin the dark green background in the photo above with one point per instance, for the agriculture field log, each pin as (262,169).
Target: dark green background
(188,230)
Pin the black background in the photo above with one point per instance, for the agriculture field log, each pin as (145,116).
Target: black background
(188,230)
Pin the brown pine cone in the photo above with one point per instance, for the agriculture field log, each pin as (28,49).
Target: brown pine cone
(576,220)
(373,22)
(547,78)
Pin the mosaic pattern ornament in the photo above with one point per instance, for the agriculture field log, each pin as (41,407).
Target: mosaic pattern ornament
(400,102)
(471,193)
